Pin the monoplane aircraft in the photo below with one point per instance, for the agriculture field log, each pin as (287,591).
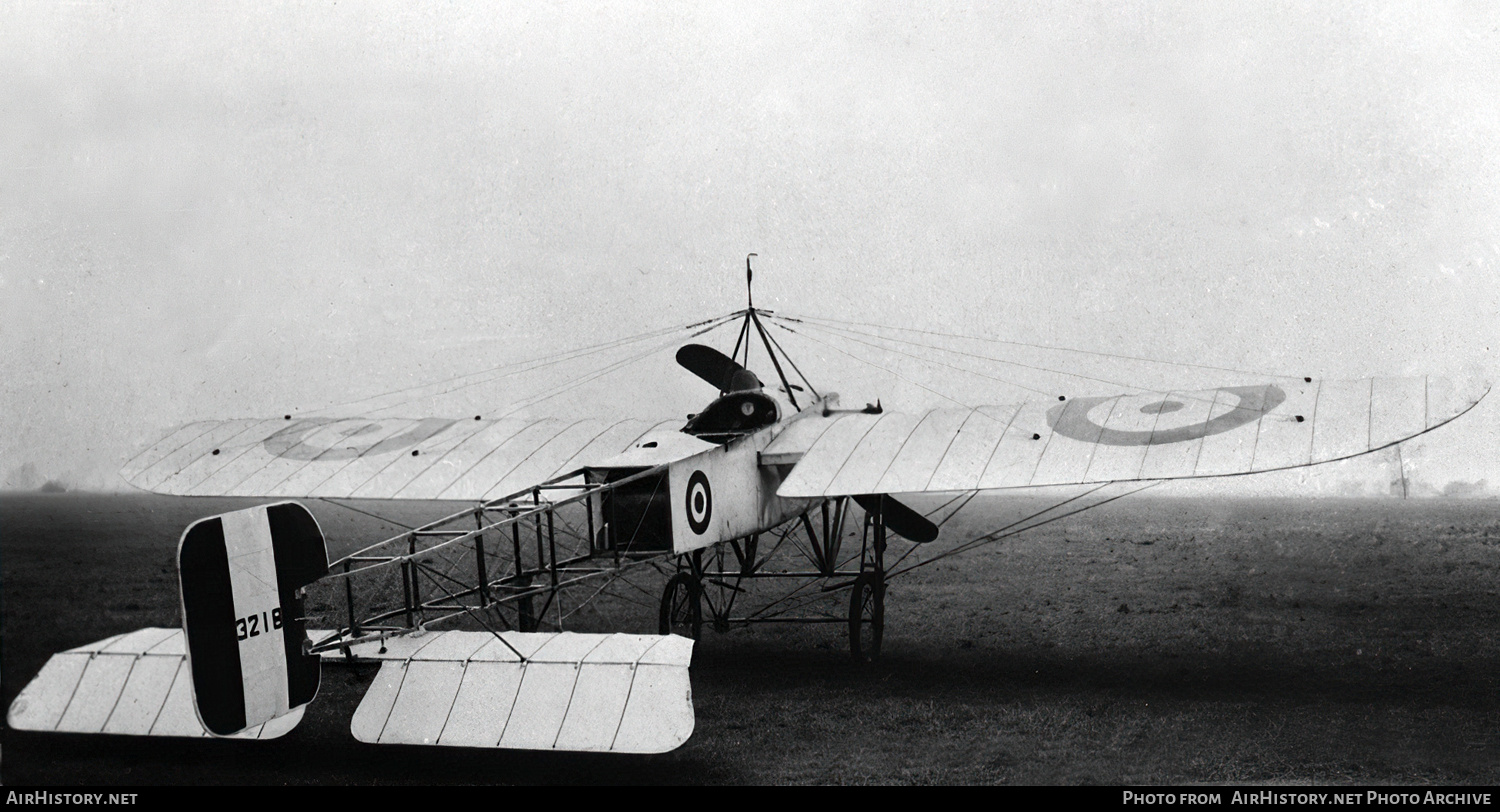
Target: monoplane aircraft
(467,615)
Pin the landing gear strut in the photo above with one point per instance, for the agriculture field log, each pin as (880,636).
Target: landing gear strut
(681,606)
(711,586)
(867,598)
(866,618)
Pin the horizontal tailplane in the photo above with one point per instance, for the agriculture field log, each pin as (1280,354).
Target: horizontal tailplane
(135,684)
(618,693)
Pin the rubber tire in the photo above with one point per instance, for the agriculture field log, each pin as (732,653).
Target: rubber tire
(681,594)
(866,618)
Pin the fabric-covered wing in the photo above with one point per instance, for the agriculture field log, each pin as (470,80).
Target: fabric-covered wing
(396,458)
(1179,435)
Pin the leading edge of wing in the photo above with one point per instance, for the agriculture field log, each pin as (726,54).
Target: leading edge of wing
(1228,431)
(377,458)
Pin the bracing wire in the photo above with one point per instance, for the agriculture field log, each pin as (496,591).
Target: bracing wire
(1051,347)
(1011,529)
(840,333)
(671,341)
(967,499)
(558,390)
(844,331)
(939,509)
(516,367)
(777,344)
(873,364)
(366,513)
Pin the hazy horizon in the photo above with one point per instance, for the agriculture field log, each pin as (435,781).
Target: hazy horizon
(251,209)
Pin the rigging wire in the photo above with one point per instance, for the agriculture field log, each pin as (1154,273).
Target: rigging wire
(877,366)
(837,332)
(777,344)
(532,401)
(967,496)
(1052,347)
(946,519)
(672,340)
(892,569)
(366,512)
(518,367)
(840,331)
(929,514)
(1172,393)
(1006,532)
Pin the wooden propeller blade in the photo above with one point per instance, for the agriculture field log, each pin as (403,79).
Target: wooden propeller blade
(900,519)
(711,365)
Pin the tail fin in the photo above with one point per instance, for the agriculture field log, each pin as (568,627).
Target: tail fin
(241,576)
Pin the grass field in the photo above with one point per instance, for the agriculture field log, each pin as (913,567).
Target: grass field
(1151,641)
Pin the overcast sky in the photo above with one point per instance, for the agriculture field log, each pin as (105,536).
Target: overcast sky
(250,209)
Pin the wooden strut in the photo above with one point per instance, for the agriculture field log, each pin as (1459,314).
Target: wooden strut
(823,555)
(785,384)
(484,580)
(752,319)
(406,583)
(487,627)
(510,586)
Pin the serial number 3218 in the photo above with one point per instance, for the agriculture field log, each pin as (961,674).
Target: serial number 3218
(256,625)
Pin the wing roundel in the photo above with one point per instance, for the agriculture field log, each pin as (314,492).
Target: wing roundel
(391,458)
(1154,436)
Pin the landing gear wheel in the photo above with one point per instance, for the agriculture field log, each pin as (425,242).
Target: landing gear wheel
(866,617)
(681,608)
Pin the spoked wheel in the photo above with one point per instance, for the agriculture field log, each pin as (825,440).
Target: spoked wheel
(681,607)
(866,617)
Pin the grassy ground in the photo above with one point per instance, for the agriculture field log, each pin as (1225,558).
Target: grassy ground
(1151,641)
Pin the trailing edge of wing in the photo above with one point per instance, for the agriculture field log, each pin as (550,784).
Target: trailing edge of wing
(1174,435)
(393,458)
